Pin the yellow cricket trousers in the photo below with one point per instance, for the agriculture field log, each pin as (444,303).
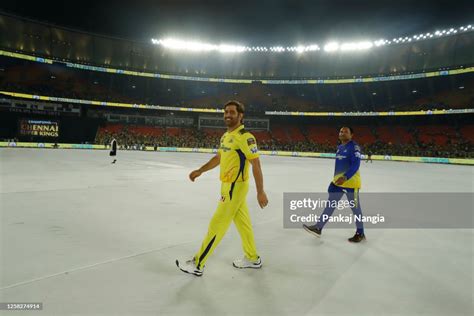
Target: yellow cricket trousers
(232,207)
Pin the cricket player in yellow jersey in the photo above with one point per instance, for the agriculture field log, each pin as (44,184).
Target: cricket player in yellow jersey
(237,151)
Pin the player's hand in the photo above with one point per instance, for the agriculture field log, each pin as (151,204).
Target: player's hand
(262,199)
(340,180)
(194,174)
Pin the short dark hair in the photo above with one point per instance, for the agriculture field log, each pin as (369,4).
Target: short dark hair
(348,127)
(240,107)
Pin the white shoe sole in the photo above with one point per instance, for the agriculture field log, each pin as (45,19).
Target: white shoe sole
(257,266)
(196,273)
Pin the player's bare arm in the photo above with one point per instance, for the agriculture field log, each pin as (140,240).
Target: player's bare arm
(211,164)
(341,180)
(258,176)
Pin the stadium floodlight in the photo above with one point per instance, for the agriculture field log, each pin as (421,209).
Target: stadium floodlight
(278,49)
(300,49)
(356,46)
(230,48)
(313,48)
(196,46)
(380,42)
(331,47)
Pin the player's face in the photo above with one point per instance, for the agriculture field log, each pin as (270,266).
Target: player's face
(345,134)
(231,116)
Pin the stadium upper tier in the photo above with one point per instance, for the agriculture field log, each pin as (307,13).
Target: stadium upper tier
(443,92)
(437,53)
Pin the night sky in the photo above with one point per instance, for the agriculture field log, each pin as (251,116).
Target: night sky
(268,22)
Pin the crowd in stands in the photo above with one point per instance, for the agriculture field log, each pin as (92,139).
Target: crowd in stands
(132,137)
(402,95)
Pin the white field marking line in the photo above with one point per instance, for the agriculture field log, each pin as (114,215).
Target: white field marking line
(90,266)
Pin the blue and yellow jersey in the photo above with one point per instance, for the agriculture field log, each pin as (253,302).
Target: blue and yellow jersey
(347,164)
(236,149)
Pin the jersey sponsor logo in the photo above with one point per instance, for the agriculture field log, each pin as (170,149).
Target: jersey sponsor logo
(254,150)
(250,141)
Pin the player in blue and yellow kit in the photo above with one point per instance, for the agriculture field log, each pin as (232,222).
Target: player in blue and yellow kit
(237,151)
(346,181)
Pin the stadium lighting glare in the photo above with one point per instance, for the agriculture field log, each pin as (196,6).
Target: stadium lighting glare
(196,46)
(381,42)
(277,49)
(331,47)
(356,46)
(300,49)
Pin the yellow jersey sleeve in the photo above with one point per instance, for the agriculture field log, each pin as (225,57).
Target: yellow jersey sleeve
(248,145)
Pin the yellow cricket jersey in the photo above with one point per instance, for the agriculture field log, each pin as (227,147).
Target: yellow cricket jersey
(236,149)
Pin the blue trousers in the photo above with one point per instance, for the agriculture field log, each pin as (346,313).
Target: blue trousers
(336,193)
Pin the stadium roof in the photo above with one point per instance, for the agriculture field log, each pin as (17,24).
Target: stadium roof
(267,22)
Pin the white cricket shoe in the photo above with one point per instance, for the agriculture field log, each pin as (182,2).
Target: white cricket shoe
(245,263)
(190,267)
